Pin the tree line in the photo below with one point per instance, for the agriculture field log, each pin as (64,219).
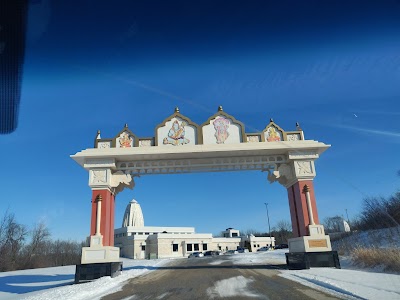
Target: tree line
(376,213)
(27,248)
(282,231)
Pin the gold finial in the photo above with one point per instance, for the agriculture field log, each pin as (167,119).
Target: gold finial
(177,109)
(271,120)
(220,108)
(126,125)
(306,188)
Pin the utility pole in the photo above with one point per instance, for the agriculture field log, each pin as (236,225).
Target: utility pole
(269,227)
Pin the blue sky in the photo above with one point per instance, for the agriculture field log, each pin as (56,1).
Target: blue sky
(332,66)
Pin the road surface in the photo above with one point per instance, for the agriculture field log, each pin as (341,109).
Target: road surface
(214,278)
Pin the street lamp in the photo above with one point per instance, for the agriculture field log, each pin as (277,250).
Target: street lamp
(269,227)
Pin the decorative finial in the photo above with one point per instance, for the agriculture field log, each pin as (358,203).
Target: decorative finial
(220,108)
(126,125)
(271,120)
(98,137)
(298,126)
(177,109)
(306,188)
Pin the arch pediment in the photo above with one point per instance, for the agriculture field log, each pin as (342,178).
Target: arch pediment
(177,130)
(125,139)
(222,128)
(273,133)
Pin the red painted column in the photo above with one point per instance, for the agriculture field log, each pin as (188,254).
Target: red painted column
(298,207)
(107,216)
(293,211)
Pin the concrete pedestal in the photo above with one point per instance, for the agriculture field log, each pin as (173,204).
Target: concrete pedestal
(87,272)
(306,260)
(315,243)
(99,254)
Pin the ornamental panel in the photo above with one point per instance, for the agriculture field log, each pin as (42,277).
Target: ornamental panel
(176,132)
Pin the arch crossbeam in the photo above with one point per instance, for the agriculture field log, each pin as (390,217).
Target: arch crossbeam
(198,158)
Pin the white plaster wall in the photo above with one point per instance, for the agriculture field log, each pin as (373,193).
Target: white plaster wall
(258,242)
(235,134)
(190,132)
(231,243)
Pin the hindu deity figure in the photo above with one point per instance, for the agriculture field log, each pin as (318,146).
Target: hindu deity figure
(221,126)
(125,140)
(273,136)
(176,135)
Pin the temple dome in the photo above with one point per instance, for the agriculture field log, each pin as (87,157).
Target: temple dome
(133,215)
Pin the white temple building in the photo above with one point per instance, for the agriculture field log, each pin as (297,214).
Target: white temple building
(147,242)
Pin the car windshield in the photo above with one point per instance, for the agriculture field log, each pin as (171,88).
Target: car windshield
(234,125)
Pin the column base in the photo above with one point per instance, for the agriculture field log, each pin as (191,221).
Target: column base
(306,260)
(315,243)
(87,272)
(99,254)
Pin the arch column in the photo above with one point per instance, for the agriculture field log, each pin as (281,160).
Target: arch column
(103,203)
(105,185)
(300,210)
(297,176)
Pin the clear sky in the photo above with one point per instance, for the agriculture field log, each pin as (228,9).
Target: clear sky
(333,66)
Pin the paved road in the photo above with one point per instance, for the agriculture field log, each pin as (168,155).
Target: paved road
(214,278)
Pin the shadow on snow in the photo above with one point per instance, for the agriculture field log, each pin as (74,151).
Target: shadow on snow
(21,284)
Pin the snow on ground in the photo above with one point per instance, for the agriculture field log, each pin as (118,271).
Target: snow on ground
(57,283)
(231,287)
(358,284)
(379,238)
(276,257)
(347,283)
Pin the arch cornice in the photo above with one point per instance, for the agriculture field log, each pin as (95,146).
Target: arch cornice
(285,162)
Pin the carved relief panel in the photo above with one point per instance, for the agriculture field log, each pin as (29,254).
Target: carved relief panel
(304,168)
(98,177)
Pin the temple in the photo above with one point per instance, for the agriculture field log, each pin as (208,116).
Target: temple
(144,242)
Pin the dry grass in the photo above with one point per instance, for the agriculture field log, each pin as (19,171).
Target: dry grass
(387,258)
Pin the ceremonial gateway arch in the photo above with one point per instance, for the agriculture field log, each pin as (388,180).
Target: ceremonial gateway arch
(219,144)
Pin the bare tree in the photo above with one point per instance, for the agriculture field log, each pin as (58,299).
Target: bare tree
(332,224)
(282,231)
(252,232)
(12,237)
(283,225)
(37,248)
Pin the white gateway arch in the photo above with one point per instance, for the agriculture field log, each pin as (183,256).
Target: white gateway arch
(219,144)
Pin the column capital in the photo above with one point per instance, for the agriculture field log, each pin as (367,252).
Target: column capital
(104,178)
(306,188)
(289,173)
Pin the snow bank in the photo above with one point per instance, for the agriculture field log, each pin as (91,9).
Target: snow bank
(345,282)
(367,285)
(57,283)
(276,257)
